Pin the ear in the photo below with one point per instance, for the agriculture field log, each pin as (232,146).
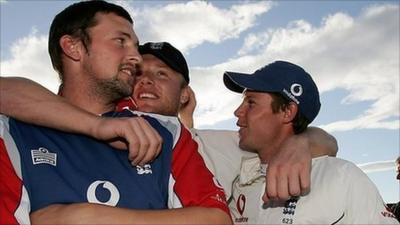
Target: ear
(185,95)
(290,112)
(71,47)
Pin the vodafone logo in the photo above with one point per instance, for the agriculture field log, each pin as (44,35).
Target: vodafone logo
(296,89)
(97,186)
(241,204)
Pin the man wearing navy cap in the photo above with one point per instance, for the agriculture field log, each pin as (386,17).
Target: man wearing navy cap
(162,82)
(280,100)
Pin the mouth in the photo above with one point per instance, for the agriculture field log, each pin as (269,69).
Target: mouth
(240,125)
(242,128)
(146,95)
(129,70)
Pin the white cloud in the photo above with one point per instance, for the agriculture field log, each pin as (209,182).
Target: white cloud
(189,24)
(3,1)
(378,166)
(357,54)
(30,59)
(254,42)
(186,25)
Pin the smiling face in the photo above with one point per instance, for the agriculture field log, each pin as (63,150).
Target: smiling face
(259,126)
(158,88)
(112,56)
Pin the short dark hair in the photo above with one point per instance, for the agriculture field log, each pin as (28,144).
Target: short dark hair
(75,20)
(279,102)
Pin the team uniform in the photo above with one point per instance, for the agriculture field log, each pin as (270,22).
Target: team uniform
(340,194)
(222,155)
(42,166)
(219,149)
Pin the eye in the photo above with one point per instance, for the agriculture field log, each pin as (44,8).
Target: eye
(139,73)
(121,41)
(161,73)
(251,102)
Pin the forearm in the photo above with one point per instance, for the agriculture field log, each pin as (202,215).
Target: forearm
(186,109)
(30,102)
(86,213)
(187,120)
(321,142)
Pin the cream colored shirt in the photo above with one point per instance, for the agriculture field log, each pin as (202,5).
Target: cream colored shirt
(340,194)
(222,155)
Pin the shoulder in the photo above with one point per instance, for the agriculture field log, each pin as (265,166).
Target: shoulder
(329,162)
(229,136)
(334,169)
(166,121)
(4,125)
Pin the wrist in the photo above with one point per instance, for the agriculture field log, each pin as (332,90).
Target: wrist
(92,124)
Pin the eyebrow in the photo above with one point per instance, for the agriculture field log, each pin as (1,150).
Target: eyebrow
(128,36)
(125,34)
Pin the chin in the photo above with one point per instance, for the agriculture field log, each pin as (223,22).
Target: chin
(144,108)
(243,145)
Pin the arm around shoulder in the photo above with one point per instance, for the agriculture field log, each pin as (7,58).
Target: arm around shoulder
(28,101)
(321,142)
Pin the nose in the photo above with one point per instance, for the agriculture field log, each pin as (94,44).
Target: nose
(239,111)
(134,56)
(144,79)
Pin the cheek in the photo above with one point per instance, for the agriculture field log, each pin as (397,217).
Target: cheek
(259,124)
(171,93)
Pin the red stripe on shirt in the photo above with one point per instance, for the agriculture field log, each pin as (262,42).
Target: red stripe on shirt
(10,188)
(194,183)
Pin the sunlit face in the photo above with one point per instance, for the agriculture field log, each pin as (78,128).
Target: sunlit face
(259,126)
(158,88)
(112,58)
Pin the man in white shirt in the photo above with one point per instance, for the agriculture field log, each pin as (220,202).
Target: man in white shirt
(280,100)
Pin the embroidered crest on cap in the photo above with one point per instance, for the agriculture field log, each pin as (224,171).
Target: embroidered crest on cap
(157,46)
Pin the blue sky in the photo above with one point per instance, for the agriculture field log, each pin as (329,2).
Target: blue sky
(351,48)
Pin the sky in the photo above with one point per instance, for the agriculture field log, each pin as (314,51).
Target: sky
(351,49)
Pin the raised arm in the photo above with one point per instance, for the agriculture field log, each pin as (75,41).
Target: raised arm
(88,213)
(321,143)
(30,102)
(289,171)
(186,110)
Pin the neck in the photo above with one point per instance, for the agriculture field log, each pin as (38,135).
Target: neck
(81,94)
(270,150)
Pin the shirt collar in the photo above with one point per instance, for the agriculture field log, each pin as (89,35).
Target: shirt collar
(251,169)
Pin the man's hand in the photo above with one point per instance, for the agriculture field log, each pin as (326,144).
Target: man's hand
(135,134)
(288,173)
(30,102)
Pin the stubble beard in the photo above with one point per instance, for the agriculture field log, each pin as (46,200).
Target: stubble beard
(108,90)
(112,89)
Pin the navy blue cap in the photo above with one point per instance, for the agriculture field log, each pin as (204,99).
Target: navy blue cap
(169,55)
(286,78)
